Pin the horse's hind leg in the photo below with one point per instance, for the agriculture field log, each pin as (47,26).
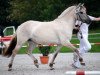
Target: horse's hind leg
(29,52)
(20,42)
(54,56)
(12,57)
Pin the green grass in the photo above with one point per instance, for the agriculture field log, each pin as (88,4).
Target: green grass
(64,49)
(95,48)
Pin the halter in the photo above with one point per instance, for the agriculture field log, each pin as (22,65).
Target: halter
(84,18)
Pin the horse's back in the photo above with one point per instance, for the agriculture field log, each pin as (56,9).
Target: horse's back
(24,31)
(27,26)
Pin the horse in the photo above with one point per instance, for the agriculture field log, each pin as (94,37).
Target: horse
(58,31)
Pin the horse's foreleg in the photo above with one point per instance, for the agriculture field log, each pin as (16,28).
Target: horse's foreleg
(29,52)
(68,44)
(54,56)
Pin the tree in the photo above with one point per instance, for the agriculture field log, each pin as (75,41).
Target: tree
(47,10)
(42,10)
(4,12)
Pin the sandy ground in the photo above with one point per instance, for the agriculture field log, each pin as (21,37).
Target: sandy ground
(23,65)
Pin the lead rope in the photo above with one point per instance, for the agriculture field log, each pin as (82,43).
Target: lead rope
(81,34)
(78,18)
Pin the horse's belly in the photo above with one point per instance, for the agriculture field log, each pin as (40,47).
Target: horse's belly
(46,40)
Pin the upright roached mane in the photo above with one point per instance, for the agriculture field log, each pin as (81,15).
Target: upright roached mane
(58,31)
(65,12)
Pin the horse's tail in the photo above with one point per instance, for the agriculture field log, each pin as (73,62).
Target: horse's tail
(11,47)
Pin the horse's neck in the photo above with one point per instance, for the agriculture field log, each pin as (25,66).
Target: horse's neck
(67,15)
(67,12)
(67,18)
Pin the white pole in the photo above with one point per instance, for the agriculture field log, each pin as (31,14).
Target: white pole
(86,72)
(93,72)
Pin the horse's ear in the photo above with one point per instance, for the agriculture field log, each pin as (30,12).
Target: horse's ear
(82,4)
(78,5)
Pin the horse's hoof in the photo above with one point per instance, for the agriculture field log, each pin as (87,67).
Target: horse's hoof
(51,65)
(83,64)
(81,59)
(10,69)
(37,65)
(52,68)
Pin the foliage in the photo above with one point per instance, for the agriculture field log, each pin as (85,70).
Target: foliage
(4,12)
(37,9)
(19,11)
(44,50)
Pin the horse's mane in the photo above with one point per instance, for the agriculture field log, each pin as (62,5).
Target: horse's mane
(66,11)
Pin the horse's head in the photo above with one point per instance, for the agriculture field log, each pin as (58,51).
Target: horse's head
(81,13)
(80,8)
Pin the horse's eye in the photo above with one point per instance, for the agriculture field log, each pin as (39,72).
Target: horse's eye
(81,12)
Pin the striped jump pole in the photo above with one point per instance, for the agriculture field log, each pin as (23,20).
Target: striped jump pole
(81,72)
(73,44)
